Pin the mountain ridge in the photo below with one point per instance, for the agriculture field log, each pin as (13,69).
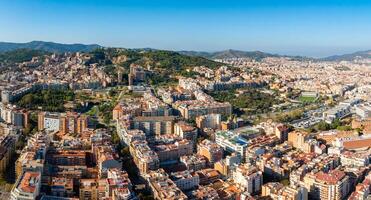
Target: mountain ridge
(55,47)
(230,53)
(349,56)
(48,46)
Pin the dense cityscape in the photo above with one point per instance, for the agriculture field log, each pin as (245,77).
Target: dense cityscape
(116,123)
(185,100)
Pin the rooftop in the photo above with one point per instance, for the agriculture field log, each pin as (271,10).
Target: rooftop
(333,177)
(29,181)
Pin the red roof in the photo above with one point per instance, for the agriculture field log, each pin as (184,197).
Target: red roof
(332,177)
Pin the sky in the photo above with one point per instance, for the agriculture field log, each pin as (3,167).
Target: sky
(292,27)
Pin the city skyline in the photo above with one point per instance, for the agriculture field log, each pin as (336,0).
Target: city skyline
(308,28)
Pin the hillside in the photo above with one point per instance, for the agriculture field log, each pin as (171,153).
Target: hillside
(350,56)
(165,65)
(20,55)
(156,59)
(256,55)
(47,46)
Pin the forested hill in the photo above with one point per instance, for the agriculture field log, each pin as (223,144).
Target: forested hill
(20,55)
(47,46)
(256,55)
(159,59)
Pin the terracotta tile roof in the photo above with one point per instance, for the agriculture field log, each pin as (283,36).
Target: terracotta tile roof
(330,178)
(29,181)
(356,144)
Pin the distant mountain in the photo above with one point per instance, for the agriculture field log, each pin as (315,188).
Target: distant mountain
(47,46)
(350,56)
(257,55)
(230,53)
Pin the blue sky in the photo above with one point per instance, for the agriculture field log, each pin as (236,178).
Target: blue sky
(293,27)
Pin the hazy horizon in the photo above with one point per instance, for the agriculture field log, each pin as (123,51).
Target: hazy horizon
(283,53)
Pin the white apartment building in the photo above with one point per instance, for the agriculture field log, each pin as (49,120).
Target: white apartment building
(248,178)
(363,111)
(231,142)
(27,186)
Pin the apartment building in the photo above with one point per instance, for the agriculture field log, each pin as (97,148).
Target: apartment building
(68,157)
(297,139)
(163,187)
(212,151)
(119,185)
(205,192)
(185,180)
(154,126)
(208,176)
(281,131)
(362,190)
(106,158)
(337,112)
(232,142)
(69,122)
(122,109)
(193,108)
(92,189)
(13,115)
(249,178)
(194,162)
(186,131)
(144,158)
(277,191)
(7,150)
(359,159)
(363,110)
(61,187)
(32,157)
(27,186)
(129,135)
(228,165)
(49,121)
(333,185)
(8,96)
(170,148)
(212,121)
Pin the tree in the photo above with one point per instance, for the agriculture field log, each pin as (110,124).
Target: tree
(125,151)
(335,123)
(344,128)
(323,126)
(27,130)
(28,99)
(115,138)
(50,99)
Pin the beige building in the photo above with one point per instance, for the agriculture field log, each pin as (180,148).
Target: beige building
(194,108)
(212,151)
(7,150)
(171,148)
(209,121)
(297,139)
(277,191)
(186,131)
(154,125)
(69,122)
(27,186)
(249,178)
(163,187)
(333,185)
(92,189)
(144,158)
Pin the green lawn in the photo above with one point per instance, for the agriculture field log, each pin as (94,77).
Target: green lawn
(307,99)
